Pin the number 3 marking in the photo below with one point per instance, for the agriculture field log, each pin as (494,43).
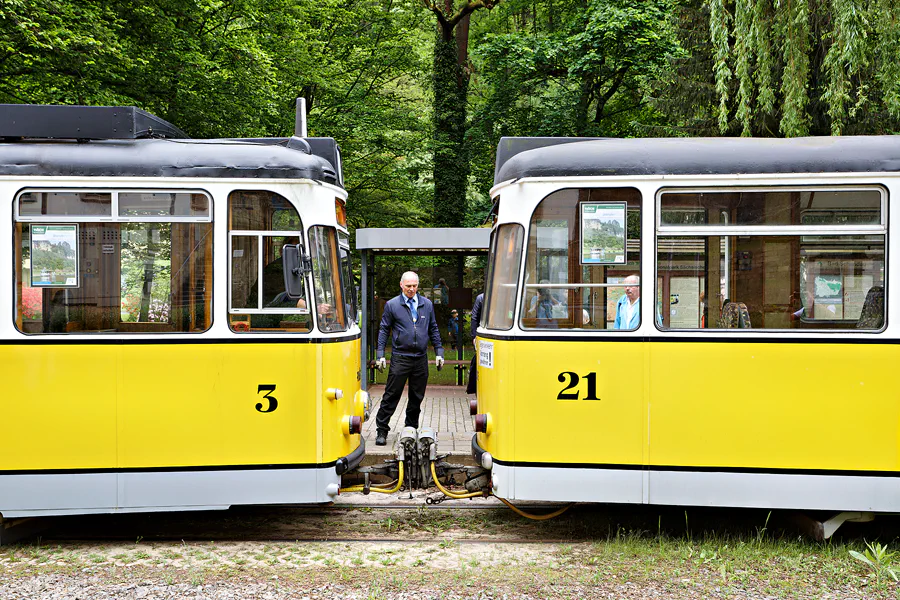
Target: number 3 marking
(273,401)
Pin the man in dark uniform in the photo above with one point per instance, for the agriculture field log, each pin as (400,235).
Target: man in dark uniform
(410,318)
(472,386)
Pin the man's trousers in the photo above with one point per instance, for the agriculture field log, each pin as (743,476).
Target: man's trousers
(403,368)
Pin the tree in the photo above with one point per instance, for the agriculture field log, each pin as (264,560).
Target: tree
(450,84)
(797,67)
(570,69)
(62,52)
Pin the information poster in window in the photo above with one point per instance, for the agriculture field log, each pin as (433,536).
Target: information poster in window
(603,233)
(54,256)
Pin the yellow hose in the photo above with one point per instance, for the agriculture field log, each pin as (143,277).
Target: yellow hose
(448,493)
(555,513)
(379,490)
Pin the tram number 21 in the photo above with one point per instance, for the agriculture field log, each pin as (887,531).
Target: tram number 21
(573,379)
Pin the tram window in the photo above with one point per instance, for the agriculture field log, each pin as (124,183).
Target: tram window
(503,277)
(260,225)
(65,204)
(134,277)
(806,277)
(330,306)
(348,282)
(771,207)
(163,204)
(579,265)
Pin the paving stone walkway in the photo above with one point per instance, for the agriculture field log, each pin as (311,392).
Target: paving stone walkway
(445,409)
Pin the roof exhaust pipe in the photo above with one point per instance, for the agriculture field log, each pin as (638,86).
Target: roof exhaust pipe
(300,118)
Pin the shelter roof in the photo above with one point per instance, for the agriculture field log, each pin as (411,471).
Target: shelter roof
(424,240)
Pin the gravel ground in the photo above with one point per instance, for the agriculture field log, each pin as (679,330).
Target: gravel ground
(119,586)
(435,553)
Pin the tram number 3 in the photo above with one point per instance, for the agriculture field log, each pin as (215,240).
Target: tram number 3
(572,379)
(273,401)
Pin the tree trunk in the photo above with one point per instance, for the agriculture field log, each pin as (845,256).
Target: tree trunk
(451,161)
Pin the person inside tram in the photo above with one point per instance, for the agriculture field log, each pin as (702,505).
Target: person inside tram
(628,310)
(544,307)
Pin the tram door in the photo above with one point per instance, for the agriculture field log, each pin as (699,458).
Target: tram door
(582,255)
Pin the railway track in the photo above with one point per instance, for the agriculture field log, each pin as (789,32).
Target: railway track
(396,522)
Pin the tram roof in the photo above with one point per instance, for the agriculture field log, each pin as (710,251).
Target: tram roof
(579,157)
(287,158)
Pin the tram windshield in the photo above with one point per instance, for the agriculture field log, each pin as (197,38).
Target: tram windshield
(330,306)
(112,261)
(503,277)
(347,280)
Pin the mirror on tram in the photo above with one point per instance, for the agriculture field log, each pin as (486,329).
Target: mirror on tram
(295,265)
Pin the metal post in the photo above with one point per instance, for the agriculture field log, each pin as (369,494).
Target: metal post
(460,271)
(300,118)
(364,322)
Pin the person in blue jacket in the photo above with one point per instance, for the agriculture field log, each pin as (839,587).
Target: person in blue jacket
(472,386)
(410,319)
(628,310)
(453,329)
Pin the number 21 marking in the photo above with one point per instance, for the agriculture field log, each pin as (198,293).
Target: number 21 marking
(573,378)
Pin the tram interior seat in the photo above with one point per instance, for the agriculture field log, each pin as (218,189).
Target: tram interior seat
(736,316)
(872,315)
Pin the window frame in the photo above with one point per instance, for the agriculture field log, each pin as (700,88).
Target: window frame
(578,287)
(110,219)
(259,235)
(727,231)
(114,206)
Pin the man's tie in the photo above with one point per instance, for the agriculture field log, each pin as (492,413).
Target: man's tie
(412,308)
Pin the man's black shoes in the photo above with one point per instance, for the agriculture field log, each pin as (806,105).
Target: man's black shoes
(381,439)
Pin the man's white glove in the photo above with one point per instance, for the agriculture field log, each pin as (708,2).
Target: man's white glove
(439,361)
(381,363)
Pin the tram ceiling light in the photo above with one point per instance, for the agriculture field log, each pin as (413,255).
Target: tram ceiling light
(351,425)
(473,407)
(334,393)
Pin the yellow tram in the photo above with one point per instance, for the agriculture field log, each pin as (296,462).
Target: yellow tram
(757,365)
(153,357)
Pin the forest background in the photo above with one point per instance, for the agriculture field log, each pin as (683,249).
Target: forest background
(418,92)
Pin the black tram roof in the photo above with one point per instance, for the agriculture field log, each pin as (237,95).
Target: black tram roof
(81,141)
(579,157)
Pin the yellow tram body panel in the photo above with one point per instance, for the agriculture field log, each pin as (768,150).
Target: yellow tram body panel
(134,406)
(806,406)
(734,405)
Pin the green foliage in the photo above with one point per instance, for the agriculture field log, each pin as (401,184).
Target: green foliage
(835,64)
(233,68)
(879,560)
(451,161)
(569,69)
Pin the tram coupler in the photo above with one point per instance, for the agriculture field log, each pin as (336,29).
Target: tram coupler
(427,450)
(418,450)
